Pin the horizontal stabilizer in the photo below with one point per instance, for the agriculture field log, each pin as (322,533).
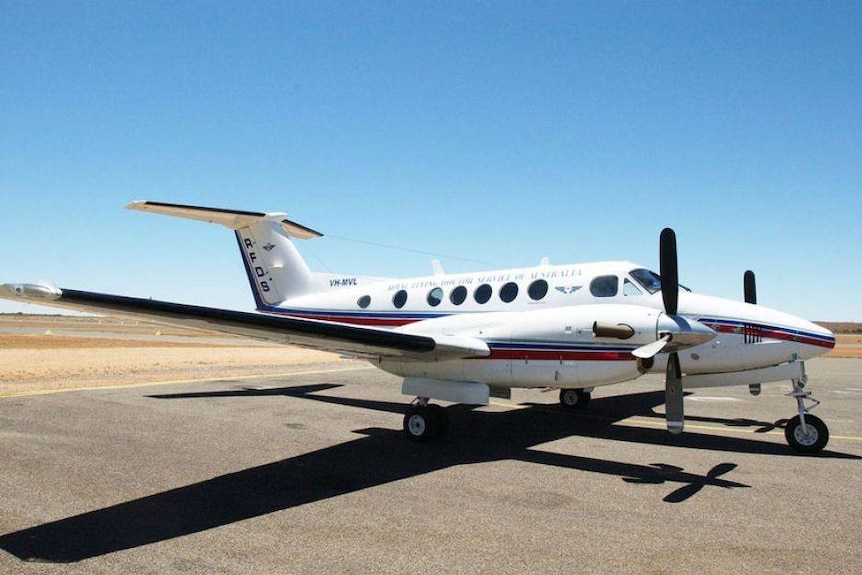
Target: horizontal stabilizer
(233,219)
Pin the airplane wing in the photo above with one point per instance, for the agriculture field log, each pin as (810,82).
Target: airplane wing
(327,336)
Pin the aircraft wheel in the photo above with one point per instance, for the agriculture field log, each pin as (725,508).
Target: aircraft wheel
(574,398)
(810,439)
(422,423)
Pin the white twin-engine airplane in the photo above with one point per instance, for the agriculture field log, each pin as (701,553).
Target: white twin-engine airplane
(465,337)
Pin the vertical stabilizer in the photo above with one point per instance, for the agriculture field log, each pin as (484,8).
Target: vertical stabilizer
(276,270)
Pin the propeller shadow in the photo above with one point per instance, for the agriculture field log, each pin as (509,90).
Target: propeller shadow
(378,457)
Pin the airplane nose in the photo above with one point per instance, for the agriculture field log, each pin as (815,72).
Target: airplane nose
(812,337)
(816,335)
(685,332)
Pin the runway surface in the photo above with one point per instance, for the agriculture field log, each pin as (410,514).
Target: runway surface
(308,472)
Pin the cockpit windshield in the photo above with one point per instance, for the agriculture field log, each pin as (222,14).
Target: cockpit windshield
(649,280)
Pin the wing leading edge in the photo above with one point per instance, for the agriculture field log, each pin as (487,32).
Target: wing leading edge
(327,336)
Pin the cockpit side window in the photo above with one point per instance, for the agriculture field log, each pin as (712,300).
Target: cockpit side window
(629,288)
(604,286)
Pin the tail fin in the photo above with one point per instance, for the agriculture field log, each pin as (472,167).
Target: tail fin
(276,270)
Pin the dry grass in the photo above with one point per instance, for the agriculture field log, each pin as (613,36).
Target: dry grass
(847,345)
(71,342)
(64,354)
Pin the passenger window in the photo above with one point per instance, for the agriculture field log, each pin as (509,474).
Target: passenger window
(435,296)
(630,288)
(509,292)
(458,295)
(604,286)
(399,299)
(364,301)
(538,289)
(482,293)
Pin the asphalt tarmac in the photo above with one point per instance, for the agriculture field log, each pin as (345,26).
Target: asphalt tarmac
(309,472)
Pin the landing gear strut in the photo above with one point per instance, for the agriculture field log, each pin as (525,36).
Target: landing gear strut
(425,421)
(805,433)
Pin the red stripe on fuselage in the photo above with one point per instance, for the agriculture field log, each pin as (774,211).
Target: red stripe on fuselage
(355,320)
(559,355)
(773,334)
(797,338)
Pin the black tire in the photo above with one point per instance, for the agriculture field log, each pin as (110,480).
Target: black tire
(421,423)
(810,440)
(574,398)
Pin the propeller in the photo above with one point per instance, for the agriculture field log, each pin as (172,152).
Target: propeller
(670,296)
(750,287)
(674,332)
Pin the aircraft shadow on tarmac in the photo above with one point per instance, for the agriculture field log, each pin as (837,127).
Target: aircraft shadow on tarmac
(379,457)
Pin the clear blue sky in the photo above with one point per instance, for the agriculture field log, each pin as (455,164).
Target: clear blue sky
(495,131)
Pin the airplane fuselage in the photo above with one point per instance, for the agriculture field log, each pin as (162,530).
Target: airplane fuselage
(539,324)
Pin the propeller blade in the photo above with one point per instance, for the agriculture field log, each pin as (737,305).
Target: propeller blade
(673,395)
(750,287)
(651,349)
(668,271)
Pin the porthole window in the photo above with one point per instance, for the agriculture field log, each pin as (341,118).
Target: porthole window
(604,286)
(509,292)
(482,293)
(458,295)
(435,296)
(364,301)
(399,299)
(538,289)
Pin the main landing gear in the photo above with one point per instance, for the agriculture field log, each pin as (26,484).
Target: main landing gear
(425,421)
(575,398)
(805,433)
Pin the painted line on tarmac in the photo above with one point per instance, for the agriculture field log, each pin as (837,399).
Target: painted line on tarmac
(37,392)
(637,421)
(644,422)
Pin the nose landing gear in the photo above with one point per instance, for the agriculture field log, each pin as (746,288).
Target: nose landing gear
(805,433)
